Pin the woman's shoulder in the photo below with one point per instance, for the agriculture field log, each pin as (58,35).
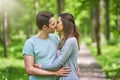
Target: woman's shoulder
(71,39)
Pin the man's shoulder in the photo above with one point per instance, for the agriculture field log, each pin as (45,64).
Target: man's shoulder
(53,35)
(31,39)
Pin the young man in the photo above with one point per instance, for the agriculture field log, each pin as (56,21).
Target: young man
(42,48)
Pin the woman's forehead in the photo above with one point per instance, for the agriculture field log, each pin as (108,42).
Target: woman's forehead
(59,18)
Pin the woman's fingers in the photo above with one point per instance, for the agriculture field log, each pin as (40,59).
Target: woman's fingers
(66,70)
(78,71)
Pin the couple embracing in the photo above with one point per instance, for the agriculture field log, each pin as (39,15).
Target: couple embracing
(48,56)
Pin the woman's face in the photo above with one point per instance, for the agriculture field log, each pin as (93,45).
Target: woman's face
(59,26)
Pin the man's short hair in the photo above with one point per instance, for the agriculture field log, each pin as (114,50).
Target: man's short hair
(43,18)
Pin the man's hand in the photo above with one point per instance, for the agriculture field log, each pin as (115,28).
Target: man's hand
(63,71)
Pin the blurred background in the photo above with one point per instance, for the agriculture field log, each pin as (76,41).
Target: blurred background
(98,22)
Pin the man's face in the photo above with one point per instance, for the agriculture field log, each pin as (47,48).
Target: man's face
(52,25)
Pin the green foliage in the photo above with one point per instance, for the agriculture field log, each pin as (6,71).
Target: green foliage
(12,69)
(21,25)
(80,12)
(48,5)
(110,58)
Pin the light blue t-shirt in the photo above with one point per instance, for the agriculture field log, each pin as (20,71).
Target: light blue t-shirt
(44,51)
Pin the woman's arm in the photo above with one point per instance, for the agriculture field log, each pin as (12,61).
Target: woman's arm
(31,70)
(63,56)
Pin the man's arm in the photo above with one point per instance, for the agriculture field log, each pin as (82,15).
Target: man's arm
(31,70)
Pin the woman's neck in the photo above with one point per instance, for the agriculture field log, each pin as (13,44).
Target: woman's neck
(61,35)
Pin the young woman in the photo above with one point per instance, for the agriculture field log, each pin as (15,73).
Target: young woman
(68,49)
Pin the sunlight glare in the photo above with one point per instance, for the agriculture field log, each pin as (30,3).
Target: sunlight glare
(9,5)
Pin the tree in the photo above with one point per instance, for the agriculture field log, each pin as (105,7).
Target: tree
(36,6)
(93,22)
(60,4)
(5,24)
(118,13)
(99,25)
(107,2)
(1,38)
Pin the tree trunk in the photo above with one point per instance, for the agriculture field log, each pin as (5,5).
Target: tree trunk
(97,33)
(1,38)
(31,29)
(93,23)
(60,4)
(118,14)
(5,24)
(99,25)
(36,6)
(107,20)
(118,22)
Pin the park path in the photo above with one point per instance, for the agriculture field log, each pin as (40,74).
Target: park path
(89,68)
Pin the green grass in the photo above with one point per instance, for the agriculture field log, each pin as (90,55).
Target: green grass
(12,68)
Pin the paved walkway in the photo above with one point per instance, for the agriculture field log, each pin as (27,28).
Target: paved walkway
(89,68)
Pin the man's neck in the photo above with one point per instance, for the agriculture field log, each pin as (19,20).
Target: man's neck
(42,35)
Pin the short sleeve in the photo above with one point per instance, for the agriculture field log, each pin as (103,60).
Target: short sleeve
(28,48)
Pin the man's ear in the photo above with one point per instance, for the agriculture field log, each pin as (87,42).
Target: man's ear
(44,27)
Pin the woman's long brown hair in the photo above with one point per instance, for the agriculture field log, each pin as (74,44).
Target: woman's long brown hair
(69,27)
